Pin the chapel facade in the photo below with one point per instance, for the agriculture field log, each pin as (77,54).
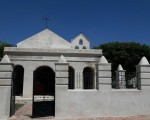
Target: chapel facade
(68,79)
(41,51)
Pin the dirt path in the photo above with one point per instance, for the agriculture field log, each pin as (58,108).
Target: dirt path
(25,112)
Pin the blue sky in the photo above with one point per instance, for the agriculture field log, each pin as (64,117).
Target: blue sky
(101,21)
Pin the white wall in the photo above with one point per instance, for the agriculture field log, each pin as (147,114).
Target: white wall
(5,102)
(105,101)
(88,103)
(31,63)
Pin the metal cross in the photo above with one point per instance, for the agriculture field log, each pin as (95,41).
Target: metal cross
(46,19)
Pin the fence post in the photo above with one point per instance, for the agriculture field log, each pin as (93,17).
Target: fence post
(120,78)
(61,81)
(103,74)
(6,68)
(143,74)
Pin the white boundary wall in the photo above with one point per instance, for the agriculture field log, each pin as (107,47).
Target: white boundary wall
(105,101)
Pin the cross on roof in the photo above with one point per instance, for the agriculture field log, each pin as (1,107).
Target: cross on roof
(46,19)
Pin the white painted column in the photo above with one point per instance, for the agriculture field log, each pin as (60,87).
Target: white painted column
(6,68)
(78,76)
(120,78)
(143,74)
(103,74)
(61,70)
(61,87)
(28,82)
(79,80)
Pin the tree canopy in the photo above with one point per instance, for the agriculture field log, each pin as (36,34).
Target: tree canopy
(128,54)
(2,45)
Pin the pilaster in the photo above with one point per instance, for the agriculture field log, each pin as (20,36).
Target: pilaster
(61,70)
(120,78)
(61,80)
(28,82)
(6,69)
(103,74)
(143,74)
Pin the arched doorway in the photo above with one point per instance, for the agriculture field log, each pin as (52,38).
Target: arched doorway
(43,92)
(16,86)
(18,75)
(44,81)
(71,78)
(88,78)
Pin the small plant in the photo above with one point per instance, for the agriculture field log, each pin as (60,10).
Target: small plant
(18,106)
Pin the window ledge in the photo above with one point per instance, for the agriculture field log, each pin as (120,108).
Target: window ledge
(124,90)
(82,89)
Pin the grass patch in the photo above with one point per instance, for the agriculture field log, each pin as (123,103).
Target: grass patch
(18,106)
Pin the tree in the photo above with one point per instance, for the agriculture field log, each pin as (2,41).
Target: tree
(128,54)
(2,45)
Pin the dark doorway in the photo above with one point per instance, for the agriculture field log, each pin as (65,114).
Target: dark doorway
(88,78)
(43,92)
(12,100)
(18,75)
(16,86)
(71,78)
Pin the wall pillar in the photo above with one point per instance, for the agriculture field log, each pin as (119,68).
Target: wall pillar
(61,70)
(61,84)
(6,68)
(79,80)
(103,74)
(28,82)
(143,74)
(120,78)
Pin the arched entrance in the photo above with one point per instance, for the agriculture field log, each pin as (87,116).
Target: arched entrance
(43,92)
(16,86)
(88,78)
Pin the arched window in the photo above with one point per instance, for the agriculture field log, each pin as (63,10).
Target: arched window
(71,78)
(18,75)
(80,42)
(84,47)
(88,78)
(76,47)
